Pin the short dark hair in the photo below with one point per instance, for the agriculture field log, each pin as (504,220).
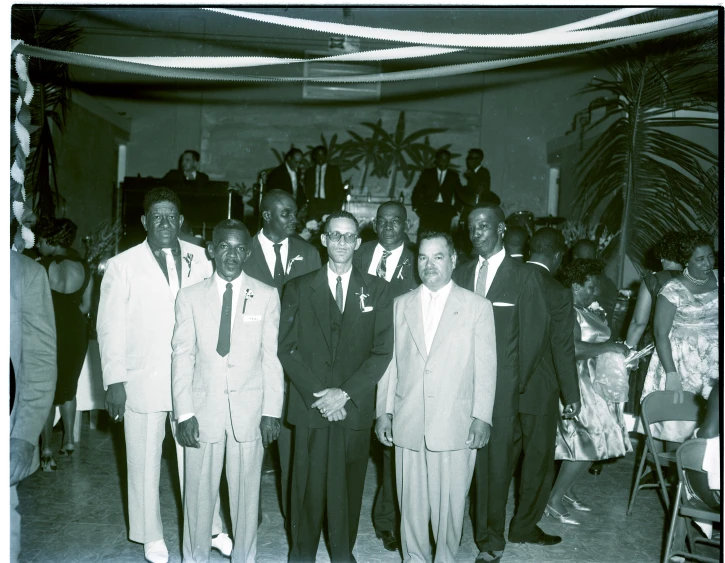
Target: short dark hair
(580,270)
(692,240)
(322,148)
(429,235)
(668,247)
(157,195)
(516,236)
(229,225)
(498,212)
(292,152)
(271,196)
(57,232)
(475,152)
(341,215)
(441,152)
(392,203)
(194,154)
(585,243)
(547,241)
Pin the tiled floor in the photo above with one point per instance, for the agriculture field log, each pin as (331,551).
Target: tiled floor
(78,514)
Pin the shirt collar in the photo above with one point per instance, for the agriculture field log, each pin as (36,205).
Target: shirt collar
(175,247)
(222,284)
(495,260)
(264,241)
(442,292)
(539,264)
(332,276)
(289,170)
(395,253)
(478,167)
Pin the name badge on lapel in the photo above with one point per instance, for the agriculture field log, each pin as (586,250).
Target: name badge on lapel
(251,318)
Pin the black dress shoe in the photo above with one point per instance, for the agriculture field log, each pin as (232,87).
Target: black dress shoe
(596,468)
(390,541)
(488,557)
(539,538)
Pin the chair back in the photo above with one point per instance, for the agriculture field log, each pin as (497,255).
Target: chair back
(660,405)
(690,456)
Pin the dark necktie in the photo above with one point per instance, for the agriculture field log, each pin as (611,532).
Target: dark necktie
(225,325)
(318,193)
(381,270)
(278,266)
(338,293)
(12,386)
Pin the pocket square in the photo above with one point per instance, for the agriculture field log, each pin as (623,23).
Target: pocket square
(502,304)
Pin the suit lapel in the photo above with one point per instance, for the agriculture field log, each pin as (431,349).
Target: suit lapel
(414,317)
(239,313)
(499,280)
(447,325)
(367,257)
(153,266)
(258,263)
(320,300)
(353,311)
(214,304)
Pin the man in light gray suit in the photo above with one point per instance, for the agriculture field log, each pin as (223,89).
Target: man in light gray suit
(33,374)
(227,385)
(435,400)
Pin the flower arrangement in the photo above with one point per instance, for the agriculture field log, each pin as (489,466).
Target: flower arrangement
(574,231)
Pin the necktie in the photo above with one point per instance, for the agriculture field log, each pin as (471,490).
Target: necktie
(430,325)
(318,192)
(171,271)
(338,293)
(225,325)
(12,386)
(381,270)
(278,266)
(481,280)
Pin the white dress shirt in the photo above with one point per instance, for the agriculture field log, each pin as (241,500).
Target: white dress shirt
(269,255)
(191,176)
(293,177)
(538,264)
(433,310)
(332,282)
(320,172)
(441,178)
(391,264)
(493,263)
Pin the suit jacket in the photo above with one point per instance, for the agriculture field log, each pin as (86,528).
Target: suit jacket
(435,397)
(136,322)
(334,192)
(404,278)
(279,179)
(32,349)
(556,372)
(363,352)
(427,189)
(256,265)
(174,178)
(248,380)
(521,319)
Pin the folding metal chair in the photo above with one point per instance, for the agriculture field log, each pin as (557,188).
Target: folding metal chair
(689,462)
(659,406)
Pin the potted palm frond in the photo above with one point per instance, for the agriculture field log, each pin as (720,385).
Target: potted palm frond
(644,173)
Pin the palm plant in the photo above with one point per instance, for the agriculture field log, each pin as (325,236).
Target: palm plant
(423,156)
(50,103)
(367,150)
(641,177)
(336,153)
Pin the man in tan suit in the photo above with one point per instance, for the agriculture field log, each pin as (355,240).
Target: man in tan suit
(227,385)
(436,399)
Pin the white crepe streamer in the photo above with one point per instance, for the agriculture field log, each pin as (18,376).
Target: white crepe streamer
(17,174)
(545,38)
(28,237)
(18,209)
(22,69)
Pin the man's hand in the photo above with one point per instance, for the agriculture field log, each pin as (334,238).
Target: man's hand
(269,427)
(187,433)
(116,401)
(329,401)
(21,458)
(571,410)
(384,429)
(337,416)
(479,434)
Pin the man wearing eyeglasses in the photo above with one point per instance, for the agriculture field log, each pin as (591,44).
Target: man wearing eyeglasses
(336,340)
(389,259)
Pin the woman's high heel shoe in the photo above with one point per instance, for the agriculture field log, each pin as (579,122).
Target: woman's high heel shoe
(47,463)
(68,450)
(575,504)
(563,518)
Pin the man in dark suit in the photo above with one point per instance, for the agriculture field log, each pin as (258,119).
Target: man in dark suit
(555,376)
(478,184)
(323,186)
(388,259)
(278,256)
(521,320)
(434,196)
(186,175)
(515,242)
(336,340)
(286,177)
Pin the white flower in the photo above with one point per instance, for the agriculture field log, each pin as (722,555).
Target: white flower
(364,308)
(248,294)
(188,259)
(312,225)
(289,264)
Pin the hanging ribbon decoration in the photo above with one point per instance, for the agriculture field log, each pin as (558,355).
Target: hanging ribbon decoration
(22,140)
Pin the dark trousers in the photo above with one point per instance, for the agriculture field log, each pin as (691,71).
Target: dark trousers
(386,516)
(494,468)
(328,475)
(535,437)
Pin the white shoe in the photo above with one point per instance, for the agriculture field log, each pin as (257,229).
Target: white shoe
(223,544)
(156,552)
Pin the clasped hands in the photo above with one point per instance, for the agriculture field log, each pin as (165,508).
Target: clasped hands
(478,433)
(331,404)
(187,432)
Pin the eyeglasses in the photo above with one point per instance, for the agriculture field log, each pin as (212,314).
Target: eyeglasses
(334,236)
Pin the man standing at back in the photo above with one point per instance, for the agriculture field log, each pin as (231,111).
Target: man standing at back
(323,185)
(336,340)
(435,196)
(388,259)
(521,319)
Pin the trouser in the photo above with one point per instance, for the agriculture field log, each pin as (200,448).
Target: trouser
(14,525)
(386,516)
(535,437)
(432,490)
(328,476)
(144,434)
(203,475)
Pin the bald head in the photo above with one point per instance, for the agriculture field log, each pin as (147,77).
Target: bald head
(272,197)
(584,248)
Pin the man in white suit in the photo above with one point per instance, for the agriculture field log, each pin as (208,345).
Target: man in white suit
(135,326)
(228,388)
(436,399)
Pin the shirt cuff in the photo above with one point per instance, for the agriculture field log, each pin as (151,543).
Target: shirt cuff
(184,417)
(270,415)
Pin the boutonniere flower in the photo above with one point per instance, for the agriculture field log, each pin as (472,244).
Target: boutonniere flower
(362,295)
(188,258)
(400,270)
(248,294)
(289,264)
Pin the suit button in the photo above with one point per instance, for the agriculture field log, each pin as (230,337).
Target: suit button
(225,391)
(327,364)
